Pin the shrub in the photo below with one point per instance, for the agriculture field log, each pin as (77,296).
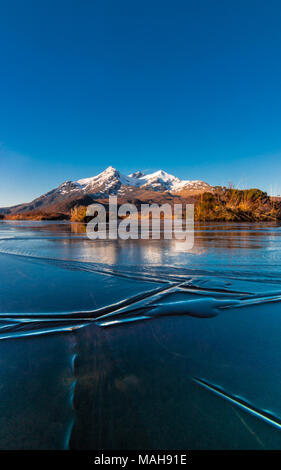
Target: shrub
(78,214)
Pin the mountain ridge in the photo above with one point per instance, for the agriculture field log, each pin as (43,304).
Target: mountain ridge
(158,180)
(111,181)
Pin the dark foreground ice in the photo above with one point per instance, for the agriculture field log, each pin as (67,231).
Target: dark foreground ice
(132,345)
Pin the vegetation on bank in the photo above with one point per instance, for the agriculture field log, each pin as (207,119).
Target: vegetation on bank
(220,204)
(36,215)
(234,205)
(78,214)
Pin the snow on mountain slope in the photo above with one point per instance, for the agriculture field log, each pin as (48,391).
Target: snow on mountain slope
(111,180)
(164,181)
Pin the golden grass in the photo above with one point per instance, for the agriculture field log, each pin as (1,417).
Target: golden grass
(78,214)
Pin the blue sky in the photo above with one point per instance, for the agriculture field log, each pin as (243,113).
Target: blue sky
(190,86)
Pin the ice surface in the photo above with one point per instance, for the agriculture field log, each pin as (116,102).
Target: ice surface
(104,344)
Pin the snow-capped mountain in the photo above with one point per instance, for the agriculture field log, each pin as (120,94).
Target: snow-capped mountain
(112,181)
(162,181)
(157,186)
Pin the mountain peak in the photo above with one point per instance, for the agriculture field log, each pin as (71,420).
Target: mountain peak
(163,175)
(109,170)
(136,174)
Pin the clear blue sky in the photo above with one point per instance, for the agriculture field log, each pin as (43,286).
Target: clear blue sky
(190,86)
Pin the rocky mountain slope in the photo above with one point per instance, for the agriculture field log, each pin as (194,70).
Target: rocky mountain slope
(137,187)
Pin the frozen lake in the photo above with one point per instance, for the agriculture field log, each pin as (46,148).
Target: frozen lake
(134,345)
